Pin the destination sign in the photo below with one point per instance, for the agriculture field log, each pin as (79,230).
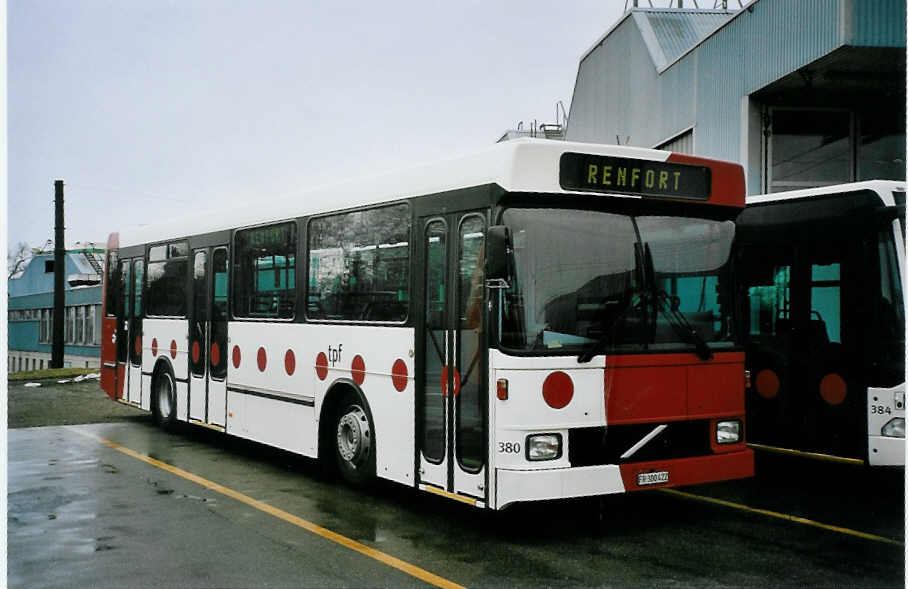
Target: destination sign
(598,173)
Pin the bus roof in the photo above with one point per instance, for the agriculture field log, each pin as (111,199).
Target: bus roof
(883,188)
(522,165)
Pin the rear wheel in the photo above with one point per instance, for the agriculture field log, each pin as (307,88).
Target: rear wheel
(354,442)
(164,399)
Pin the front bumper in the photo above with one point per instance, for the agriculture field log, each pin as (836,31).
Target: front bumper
(585,481)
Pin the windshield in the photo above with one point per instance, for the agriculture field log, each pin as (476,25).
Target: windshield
(588,279)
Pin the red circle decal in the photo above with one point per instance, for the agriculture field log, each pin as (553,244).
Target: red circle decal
(399,375)
(358,369)
(215,354)
(237,356)
(290,362)
(558,390)
(154,346)
(321,366)
(138,346)
(767,383)
(196,352)
(173,349)
(444,382)
(833,388)
(262,359)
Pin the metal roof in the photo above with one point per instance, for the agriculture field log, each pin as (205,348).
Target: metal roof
(669,33)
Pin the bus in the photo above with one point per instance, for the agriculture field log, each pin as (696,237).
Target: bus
(821,276)
(534,321)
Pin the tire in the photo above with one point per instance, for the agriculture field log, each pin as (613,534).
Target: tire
(354,441)
(164,399)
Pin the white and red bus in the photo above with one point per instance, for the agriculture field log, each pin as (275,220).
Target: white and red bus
(822,274)
(535,321)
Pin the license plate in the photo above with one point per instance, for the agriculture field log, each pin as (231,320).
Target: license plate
(652,478)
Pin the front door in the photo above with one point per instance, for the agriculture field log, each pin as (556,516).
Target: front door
(122,339)
(452,415)
(208,337)
(134,366)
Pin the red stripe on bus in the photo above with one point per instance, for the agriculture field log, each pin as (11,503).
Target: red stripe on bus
(727,185)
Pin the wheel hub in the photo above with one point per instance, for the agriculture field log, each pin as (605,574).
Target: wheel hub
(353,436)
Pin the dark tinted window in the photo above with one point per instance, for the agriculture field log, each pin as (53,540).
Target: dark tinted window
(112,283)
(166,279)
(265,277)
(359,265)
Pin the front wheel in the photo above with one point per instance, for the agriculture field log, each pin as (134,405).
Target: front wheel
(354,447)
(164,399)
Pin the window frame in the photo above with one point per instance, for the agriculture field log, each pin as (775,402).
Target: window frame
(233,277)
(409,264)
(145,288)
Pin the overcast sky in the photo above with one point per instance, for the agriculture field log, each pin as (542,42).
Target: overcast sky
(147,107)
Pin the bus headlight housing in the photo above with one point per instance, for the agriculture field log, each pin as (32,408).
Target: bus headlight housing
(894,428)
(728,432)
(543,447)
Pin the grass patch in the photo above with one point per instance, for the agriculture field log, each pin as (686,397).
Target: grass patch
(51,373)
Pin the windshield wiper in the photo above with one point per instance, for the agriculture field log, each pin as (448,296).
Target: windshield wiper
(669,308)
(594,348)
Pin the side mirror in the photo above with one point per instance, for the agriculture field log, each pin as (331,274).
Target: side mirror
(498,247)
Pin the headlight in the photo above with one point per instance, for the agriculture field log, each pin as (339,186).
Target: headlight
(728,432)
(894,428)
(543,447)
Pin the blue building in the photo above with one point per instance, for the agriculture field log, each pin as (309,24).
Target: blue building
(802,93)
(30,305)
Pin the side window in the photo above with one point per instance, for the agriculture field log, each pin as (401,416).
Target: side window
(138,276)
(265,272)
(769,301)
(359,265)
(825,302)
(112,283)
(219,276)
(123,291)
(79,335)
(167,266)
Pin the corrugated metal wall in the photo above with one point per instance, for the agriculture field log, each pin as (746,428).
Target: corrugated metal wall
(782,36)
(878,23)
(619,92)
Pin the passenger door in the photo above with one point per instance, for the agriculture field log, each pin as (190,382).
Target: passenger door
(451,384)
(124,313)
(208,337)
(134,366)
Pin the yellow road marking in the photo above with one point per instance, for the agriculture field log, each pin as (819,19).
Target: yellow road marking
(802,454)
(378,555)
(784,516)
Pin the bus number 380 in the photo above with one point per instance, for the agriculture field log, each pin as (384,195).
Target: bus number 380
(509,447)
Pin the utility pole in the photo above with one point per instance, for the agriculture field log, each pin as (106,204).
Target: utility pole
(56,356)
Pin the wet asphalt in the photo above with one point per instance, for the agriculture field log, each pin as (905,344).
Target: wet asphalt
(84,514)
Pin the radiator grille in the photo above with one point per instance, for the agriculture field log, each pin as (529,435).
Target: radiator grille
(605,445)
